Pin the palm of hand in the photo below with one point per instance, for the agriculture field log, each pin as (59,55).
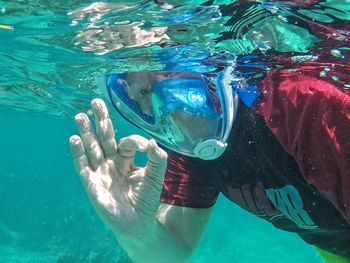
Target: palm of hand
(125,196)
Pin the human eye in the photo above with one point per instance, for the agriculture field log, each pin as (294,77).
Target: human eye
(146,90)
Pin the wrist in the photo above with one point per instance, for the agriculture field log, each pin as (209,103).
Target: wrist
(138,241)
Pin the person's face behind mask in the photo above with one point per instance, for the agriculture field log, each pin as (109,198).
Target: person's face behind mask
(139,87)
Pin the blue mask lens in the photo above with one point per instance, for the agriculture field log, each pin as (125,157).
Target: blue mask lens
(188,95)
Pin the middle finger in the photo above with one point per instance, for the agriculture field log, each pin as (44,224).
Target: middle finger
(104,128)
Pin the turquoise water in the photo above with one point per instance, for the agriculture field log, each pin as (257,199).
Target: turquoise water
(49,61)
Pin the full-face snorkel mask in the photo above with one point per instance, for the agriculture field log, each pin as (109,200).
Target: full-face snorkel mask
(188,107)
(187,112)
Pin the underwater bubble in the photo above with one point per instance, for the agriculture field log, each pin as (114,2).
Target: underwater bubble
(335,78)
(337,53)
(323,73)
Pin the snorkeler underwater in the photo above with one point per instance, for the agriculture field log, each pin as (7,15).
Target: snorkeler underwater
(204,131)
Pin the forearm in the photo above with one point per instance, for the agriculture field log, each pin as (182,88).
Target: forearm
(155,243)
(172,237)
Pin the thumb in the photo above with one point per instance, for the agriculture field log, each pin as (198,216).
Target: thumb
(157,161)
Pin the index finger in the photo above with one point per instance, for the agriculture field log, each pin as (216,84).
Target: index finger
(127,148)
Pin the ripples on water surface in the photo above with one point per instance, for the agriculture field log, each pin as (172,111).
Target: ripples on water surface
(50,59)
